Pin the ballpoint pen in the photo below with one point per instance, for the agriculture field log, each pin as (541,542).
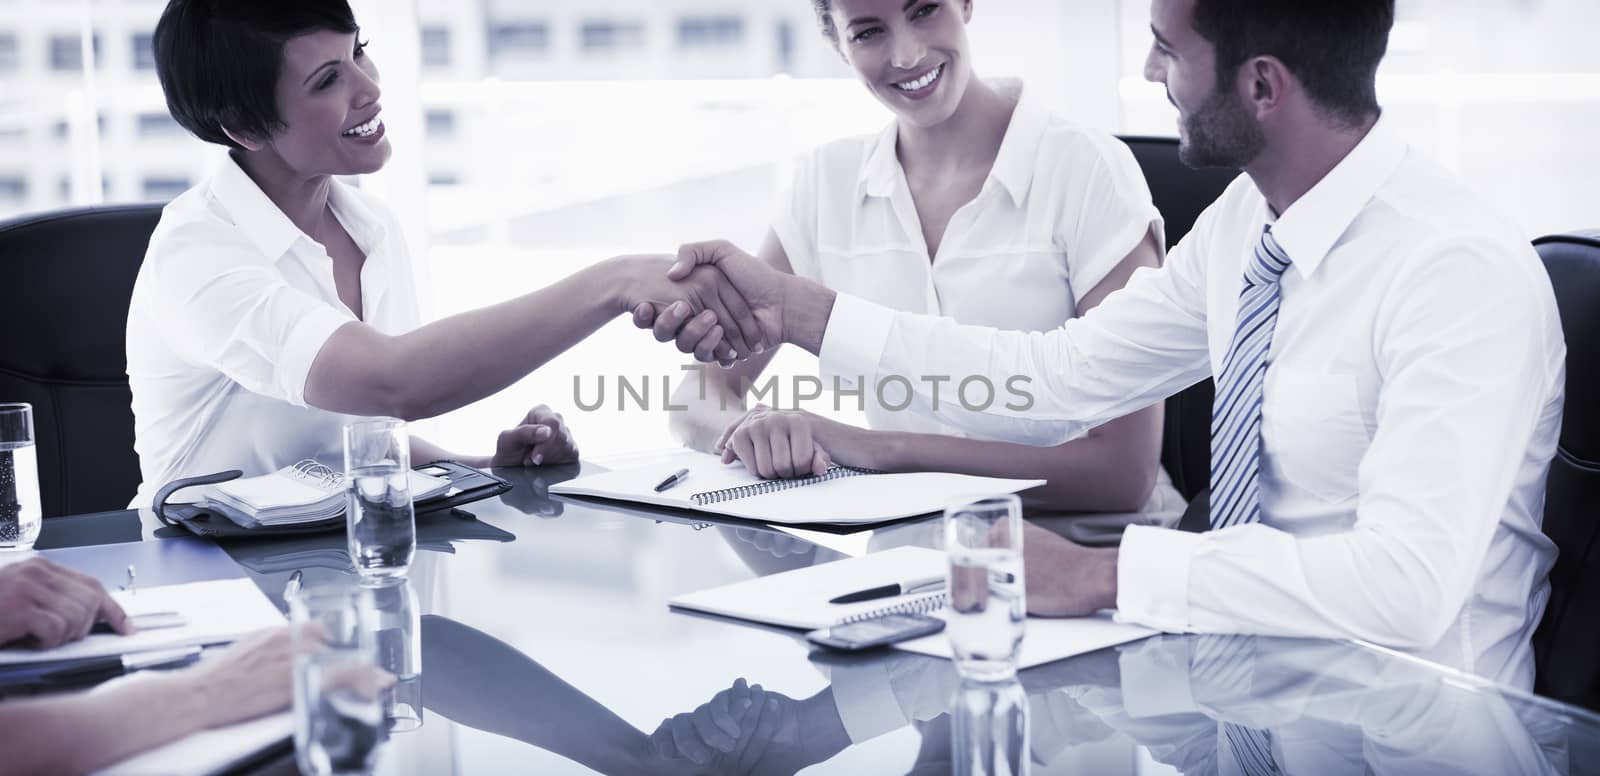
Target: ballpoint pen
(917,585)
(100,669)
(675,478)
(889,590)
(292,587)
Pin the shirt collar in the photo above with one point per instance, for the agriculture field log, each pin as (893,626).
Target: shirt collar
(253,212)
(1308,230)
(1013,166)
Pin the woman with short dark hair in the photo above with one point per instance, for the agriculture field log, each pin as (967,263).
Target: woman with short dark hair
(276,301)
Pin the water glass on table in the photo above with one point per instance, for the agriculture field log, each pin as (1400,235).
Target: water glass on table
(20,512)
(379,518)
(987,606)
(338,687)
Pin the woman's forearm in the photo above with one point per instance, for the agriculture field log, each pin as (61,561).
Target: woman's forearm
(1111,470)
(458,360)
(87,731)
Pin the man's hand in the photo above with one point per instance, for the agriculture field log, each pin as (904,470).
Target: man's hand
(541,438)
(50,605)
(781,444)
(1066,579)
(709,318)
(783,308)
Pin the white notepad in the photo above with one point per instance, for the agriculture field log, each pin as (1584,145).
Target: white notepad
(799,599)
(842,496)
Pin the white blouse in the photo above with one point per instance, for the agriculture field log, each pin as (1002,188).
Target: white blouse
(1061,208)
(231,306)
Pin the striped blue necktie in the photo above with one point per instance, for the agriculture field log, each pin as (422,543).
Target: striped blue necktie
(1236,411)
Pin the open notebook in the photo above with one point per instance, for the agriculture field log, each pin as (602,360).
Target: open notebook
(843,495)
(799,599)
(303,493)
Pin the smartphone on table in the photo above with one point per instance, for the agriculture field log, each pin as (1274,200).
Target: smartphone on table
(876,632)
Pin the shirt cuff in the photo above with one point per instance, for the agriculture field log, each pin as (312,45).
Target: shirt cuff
(853,343)
(1153,577)
(301,349)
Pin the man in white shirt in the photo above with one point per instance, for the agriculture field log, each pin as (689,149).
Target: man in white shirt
(1387,352)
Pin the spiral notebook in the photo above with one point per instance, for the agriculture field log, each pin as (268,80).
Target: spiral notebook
(306,492)
(799,599)
(843,495)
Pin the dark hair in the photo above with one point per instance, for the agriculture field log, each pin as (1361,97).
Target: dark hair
(1331,46)
(219,60)
(824,9)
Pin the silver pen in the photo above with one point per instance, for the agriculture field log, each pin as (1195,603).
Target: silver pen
(132,590)
(292,587)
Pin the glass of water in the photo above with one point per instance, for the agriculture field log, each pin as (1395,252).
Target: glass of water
(983,541)
(382,527)
(399,640)
(20,513)
(338,687)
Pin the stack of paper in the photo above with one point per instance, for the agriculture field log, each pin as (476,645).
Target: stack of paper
(217,612)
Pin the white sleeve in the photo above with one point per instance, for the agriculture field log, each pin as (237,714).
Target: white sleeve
(220,304)
(794,219)
(1105,210)
(1138,347)
(1464,388)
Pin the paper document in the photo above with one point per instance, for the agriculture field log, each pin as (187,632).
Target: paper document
(799,599)
(217,611)
(843,496)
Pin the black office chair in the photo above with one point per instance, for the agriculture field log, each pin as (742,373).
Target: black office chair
(1566,647)
(1181,193)
(63,313)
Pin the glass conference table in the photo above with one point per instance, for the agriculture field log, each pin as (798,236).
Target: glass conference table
(548,648)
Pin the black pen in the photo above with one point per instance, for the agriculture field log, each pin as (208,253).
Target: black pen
(677,477)
(97,670)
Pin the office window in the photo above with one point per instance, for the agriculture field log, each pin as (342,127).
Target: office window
(710,31)
(440,124)
(66,52)
(10,53)
(158,125)
(606,37)
(436,47)
(785,46)
(518,40)
(163,188)
(144,51)
(59,129)
(13,190)
(65,188)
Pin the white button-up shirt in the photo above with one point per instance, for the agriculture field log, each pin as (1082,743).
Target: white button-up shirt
(232,305)
(1061,207)
(1412,404)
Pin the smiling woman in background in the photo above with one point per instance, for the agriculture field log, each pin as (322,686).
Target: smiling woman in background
(975,203)
(276,301)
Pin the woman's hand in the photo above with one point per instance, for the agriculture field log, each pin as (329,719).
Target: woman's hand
(541,438)
(248,679)
(782,444)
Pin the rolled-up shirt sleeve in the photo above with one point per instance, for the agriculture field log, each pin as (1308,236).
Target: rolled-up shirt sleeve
(1143,343)
(225,306)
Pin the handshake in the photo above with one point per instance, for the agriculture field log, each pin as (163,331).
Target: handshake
(723,305)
